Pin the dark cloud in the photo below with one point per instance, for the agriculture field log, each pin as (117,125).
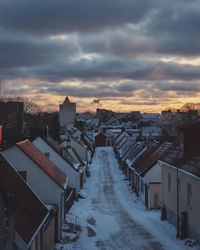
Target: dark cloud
(179,19)
(175,71)
(83,92)
(53,17)
(33,52)
(103,70)
(177,86)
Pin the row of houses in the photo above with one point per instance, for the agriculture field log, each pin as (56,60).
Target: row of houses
(39,182)
(165,176)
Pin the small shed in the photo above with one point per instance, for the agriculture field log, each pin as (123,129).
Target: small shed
(102,140)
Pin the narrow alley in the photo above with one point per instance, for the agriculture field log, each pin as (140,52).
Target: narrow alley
(112,218)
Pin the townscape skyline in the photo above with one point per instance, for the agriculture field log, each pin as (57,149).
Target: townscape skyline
(130,55)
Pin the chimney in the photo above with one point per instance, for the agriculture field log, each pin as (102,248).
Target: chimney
(189,138)
(47,154)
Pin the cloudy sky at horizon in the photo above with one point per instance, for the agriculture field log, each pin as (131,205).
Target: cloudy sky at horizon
(129,54)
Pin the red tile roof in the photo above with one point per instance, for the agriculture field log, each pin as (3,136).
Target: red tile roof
(43,162)
(150,157)
(30,211)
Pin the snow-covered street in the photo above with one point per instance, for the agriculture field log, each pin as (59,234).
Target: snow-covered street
(112,218)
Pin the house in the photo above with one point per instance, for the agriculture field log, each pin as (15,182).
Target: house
(137,150)
(183,200)
(181,183)
(82,165)
(43,176)
(81,149)
(70,155)
(89,144)
(103,139)
(34,223)
(64,164)
(147,174)
(126,153)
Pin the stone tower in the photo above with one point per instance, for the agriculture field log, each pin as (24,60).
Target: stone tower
(67,115)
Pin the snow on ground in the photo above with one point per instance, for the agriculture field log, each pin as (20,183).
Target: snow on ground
(112,218)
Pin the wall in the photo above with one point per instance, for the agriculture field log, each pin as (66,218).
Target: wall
(67,116)
(170,199)
(100,140)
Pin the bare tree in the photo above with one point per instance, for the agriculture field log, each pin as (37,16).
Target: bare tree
(29,106)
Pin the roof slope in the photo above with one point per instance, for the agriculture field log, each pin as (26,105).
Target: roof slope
(43,162)
(30,211)
(150,157)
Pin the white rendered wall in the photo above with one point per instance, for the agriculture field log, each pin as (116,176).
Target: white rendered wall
(153,175)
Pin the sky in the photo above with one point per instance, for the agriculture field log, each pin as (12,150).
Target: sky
(129,54)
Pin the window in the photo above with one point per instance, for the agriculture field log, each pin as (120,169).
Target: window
(23,175)
(189,195)
(169,183)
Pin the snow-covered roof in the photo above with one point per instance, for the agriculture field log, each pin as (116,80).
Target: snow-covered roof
(135,153)
(150,116)
(126,145)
